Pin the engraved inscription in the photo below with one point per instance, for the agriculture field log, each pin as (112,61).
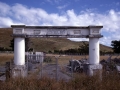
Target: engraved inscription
(95,31)
(18,31)
(37,32)
(77,31)
(56,32)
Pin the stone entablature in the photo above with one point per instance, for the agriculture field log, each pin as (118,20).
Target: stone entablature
(57,31)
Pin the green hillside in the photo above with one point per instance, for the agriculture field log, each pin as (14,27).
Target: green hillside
(44,44)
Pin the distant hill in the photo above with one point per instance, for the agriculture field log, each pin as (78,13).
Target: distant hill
(5,37)
(44,44)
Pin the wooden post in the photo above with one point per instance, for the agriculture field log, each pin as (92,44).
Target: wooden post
(8,72)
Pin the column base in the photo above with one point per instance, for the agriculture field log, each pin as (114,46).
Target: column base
(19,71)
(92,70)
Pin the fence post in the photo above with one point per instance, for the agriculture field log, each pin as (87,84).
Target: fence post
(56,68)
(41,66)
(72,66)
(7,73)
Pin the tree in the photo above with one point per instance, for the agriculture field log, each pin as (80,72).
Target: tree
(115,46)
(84,48)
(12,44)
(27,44)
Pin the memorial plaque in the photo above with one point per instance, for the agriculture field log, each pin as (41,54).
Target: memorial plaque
(56,31)
(77,32)
(37,32)
(18,31)
(95,31)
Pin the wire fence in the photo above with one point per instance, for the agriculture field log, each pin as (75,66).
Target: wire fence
(57,66)
(53,66)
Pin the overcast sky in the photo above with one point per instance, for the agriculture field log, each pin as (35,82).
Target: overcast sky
(64,12)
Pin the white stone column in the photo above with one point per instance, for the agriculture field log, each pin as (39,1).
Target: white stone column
(19,51)
(94,67)
(93,51)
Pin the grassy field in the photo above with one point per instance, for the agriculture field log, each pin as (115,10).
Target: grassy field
(62,59)
(5,58)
